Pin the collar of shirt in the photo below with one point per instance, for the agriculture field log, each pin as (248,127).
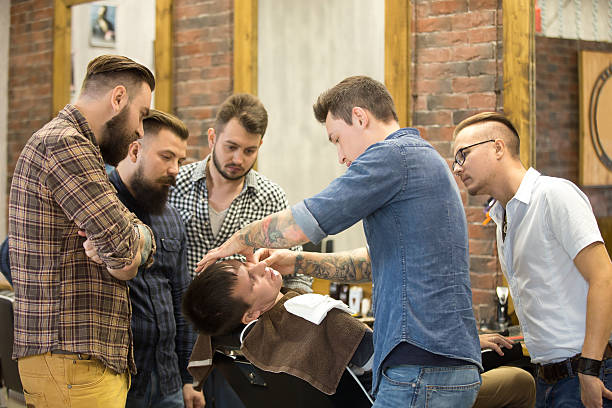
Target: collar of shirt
(73,115)
(199,173)
(523,194)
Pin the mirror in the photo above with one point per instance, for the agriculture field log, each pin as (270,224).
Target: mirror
(97,35)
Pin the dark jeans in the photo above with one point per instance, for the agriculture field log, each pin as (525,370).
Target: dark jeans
(566,393)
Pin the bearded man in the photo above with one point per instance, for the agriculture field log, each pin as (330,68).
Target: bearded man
(222,193)
(73,245)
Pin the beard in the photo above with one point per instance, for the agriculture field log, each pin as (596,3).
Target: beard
(151,195)
(116,138)
(225,174)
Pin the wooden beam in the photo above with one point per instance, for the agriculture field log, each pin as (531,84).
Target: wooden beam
(245,46)
(62,68)
(163,56)
(397,56)
(519,72)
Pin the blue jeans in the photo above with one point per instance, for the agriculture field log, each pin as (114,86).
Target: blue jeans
(566,392)
(432,387)
(153,399)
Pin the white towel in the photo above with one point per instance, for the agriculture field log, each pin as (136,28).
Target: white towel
(314,307)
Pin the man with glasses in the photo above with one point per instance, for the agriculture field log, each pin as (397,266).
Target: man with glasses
(552,253)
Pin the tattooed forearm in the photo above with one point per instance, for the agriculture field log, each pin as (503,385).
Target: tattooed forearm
(344,266)
(278,230)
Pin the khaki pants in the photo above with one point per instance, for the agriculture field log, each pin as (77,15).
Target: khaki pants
(64,380)
(506,387)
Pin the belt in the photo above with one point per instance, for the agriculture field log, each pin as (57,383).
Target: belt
(80,356)
(551,373)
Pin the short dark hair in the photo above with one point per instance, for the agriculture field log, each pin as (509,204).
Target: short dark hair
(158,120)
(108,71)
(361,91)
(513,141)
(209,302)
(249,111)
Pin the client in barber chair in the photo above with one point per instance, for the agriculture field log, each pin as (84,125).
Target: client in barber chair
(310,336)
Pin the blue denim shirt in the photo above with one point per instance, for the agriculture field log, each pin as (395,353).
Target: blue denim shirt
(416,231)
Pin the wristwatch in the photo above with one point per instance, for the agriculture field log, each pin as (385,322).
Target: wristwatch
(588,366)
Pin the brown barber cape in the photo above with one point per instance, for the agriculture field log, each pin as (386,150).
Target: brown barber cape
(283,342)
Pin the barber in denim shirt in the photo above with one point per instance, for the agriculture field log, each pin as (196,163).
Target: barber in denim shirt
(425,338)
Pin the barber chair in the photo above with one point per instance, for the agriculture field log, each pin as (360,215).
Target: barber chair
(8,367)
(262,389)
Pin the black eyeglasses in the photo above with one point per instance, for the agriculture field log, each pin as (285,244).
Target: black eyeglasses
(460,156)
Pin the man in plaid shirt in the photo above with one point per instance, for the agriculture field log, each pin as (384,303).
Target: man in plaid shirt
(221,194)
(73,245)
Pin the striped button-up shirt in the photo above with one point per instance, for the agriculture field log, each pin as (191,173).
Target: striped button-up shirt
(63,300)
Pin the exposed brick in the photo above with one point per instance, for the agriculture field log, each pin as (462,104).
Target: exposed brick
(480,35)
(432,118)
(481,83)
(483,280)
(457,101)
(430,24)
(442,133)
(477,18)
(441,39)
(433,55)
(480,296)
(448,7)
(433,86)
(484,101)
(473,52)
(441,70)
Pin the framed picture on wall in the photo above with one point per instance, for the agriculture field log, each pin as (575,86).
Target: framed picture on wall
(102,22)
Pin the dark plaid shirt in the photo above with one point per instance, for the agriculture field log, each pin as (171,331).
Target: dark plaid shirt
(63,300)
(162,338)
(259,198)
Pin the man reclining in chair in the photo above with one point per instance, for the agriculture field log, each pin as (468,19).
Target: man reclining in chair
(315,341)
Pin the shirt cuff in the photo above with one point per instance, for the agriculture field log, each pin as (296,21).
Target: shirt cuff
(307,223)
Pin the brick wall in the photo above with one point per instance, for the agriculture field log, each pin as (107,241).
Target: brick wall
(558,117)
(30,73)
(457,71)
(203,32)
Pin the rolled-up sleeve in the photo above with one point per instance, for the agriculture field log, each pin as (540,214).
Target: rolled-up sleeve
(79,185)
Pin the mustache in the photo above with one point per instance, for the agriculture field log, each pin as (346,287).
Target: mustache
(234,165)
(167,180)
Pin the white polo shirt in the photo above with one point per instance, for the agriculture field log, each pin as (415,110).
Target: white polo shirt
(549,221)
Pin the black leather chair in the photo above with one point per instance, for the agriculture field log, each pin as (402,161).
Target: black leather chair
(262,389)
(8,367)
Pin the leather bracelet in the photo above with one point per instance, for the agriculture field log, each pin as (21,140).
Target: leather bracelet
(588,366)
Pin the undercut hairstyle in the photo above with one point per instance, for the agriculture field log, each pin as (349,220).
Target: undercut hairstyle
(108,71)
(356,91)
(511,136)
(249,111)
(209,302)
(158,120)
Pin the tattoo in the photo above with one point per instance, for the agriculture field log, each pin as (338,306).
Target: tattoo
(344,266)
(275,231)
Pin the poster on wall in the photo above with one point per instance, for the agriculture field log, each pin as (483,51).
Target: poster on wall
(102,22)
(595,119)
